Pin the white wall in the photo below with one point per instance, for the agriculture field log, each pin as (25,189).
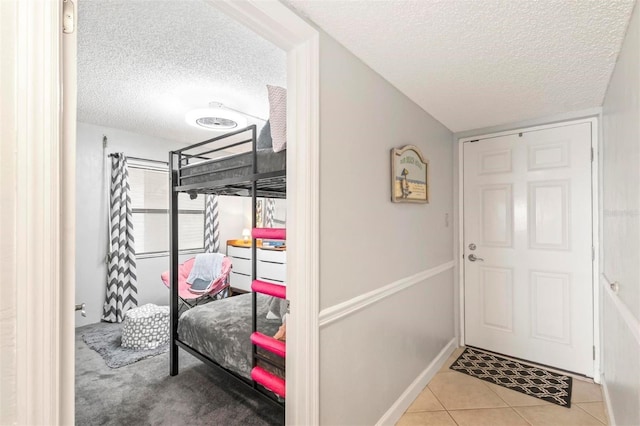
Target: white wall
(92,217)
(370,357)
(620,248)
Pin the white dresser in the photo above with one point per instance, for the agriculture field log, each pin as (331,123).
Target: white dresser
(271,266)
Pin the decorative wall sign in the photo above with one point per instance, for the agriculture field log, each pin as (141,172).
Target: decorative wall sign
(409,172)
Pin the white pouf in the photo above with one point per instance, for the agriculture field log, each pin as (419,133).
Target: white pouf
(145,327)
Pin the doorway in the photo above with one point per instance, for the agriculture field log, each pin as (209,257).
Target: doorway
(528,245)
(43,40)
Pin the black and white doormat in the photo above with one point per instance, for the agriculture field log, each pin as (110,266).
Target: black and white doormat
(532,381)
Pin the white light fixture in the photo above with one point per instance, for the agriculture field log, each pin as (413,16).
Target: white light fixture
(245,235)
(216,117)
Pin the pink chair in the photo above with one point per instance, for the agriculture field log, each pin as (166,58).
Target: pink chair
(193,298)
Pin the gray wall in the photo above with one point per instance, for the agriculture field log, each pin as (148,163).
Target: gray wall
(620,246)
(367,359)
(92,218)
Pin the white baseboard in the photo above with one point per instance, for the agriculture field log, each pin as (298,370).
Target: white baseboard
(607,401)
(398,408)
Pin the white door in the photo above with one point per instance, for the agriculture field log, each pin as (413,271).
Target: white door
(528,221)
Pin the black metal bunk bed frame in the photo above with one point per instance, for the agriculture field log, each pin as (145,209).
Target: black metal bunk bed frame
(266,184)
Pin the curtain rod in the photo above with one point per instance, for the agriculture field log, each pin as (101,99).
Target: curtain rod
(115,154)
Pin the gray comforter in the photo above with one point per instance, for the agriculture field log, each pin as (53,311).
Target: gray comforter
(221,330)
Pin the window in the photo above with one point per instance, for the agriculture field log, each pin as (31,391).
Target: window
(150,208)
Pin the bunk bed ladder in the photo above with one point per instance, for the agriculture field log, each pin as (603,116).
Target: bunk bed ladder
(259,375)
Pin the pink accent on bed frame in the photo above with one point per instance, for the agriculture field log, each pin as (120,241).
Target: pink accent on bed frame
(270,233)
(264,287)
(274,383)
(269,344)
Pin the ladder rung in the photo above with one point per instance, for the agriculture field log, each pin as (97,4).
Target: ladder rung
(270,233)
(269,344)
(264,287)
(270,381)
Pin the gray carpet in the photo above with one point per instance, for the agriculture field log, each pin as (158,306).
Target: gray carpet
(105,338)
(143,393)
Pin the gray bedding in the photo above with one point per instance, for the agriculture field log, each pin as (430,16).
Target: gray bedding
(221,330)
(234,166)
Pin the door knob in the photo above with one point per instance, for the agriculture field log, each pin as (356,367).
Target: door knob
(473,258)
(80,308)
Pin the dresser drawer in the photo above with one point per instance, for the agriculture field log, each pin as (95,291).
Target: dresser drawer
(271,271)
(241,252)
(240,281)
(277,256)
(241,266)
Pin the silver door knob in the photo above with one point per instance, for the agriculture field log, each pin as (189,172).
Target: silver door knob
(472,257)
(80,308)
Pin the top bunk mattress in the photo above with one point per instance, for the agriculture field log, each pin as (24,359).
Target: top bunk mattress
(237,166)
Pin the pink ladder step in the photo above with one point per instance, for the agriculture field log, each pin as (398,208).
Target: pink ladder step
(270,233)
(269,344)
(274,383)
(264,287)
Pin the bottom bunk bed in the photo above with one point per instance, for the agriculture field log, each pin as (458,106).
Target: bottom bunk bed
(221,331)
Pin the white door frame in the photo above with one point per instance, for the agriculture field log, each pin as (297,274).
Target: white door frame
(595,225)
(40,196)
(285,29)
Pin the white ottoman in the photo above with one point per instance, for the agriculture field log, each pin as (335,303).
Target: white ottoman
(145,327)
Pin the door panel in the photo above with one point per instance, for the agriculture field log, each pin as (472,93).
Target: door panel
(527,210)
(496,217)
(549,215)
(497,285)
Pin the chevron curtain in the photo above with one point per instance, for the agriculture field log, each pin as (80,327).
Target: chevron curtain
(211,224)
(270,212)
(121,281)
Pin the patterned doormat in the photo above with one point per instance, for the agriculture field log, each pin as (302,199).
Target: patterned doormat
(532,381)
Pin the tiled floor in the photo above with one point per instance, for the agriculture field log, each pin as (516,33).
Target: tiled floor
(453,398)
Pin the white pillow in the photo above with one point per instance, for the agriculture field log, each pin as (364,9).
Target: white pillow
(278,116)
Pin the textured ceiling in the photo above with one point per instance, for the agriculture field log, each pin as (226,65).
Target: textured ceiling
(474,64)
(143,64)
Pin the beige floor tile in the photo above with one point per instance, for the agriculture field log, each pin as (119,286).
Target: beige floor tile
(426,401)
(516,399)
(458,391)
(553,415)
(585,392)
(488,417)
(596,409)
(451,359)
(426,418)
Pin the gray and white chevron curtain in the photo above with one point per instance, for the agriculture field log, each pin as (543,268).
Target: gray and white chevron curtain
(270,213)
(122,292)
(211,224)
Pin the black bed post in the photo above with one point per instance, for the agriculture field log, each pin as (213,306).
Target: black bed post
(173,265)
(254,251)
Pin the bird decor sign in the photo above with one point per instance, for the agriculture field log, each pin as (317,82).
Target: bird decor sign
(409,173)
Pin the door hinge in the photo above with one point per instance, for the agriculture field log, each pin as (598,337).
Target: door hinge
(592,154)
(68,17)
(594,352)
(593,253)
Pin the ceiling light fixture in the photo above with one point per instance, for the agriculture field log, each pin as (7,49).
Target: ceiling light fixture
(216,117)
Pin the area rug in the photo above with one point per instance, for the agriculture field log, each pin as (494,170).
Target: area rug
(529,380)
(105,339)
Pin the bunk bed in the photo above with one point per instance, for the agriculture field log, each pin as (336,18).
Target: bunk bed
(231,334)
